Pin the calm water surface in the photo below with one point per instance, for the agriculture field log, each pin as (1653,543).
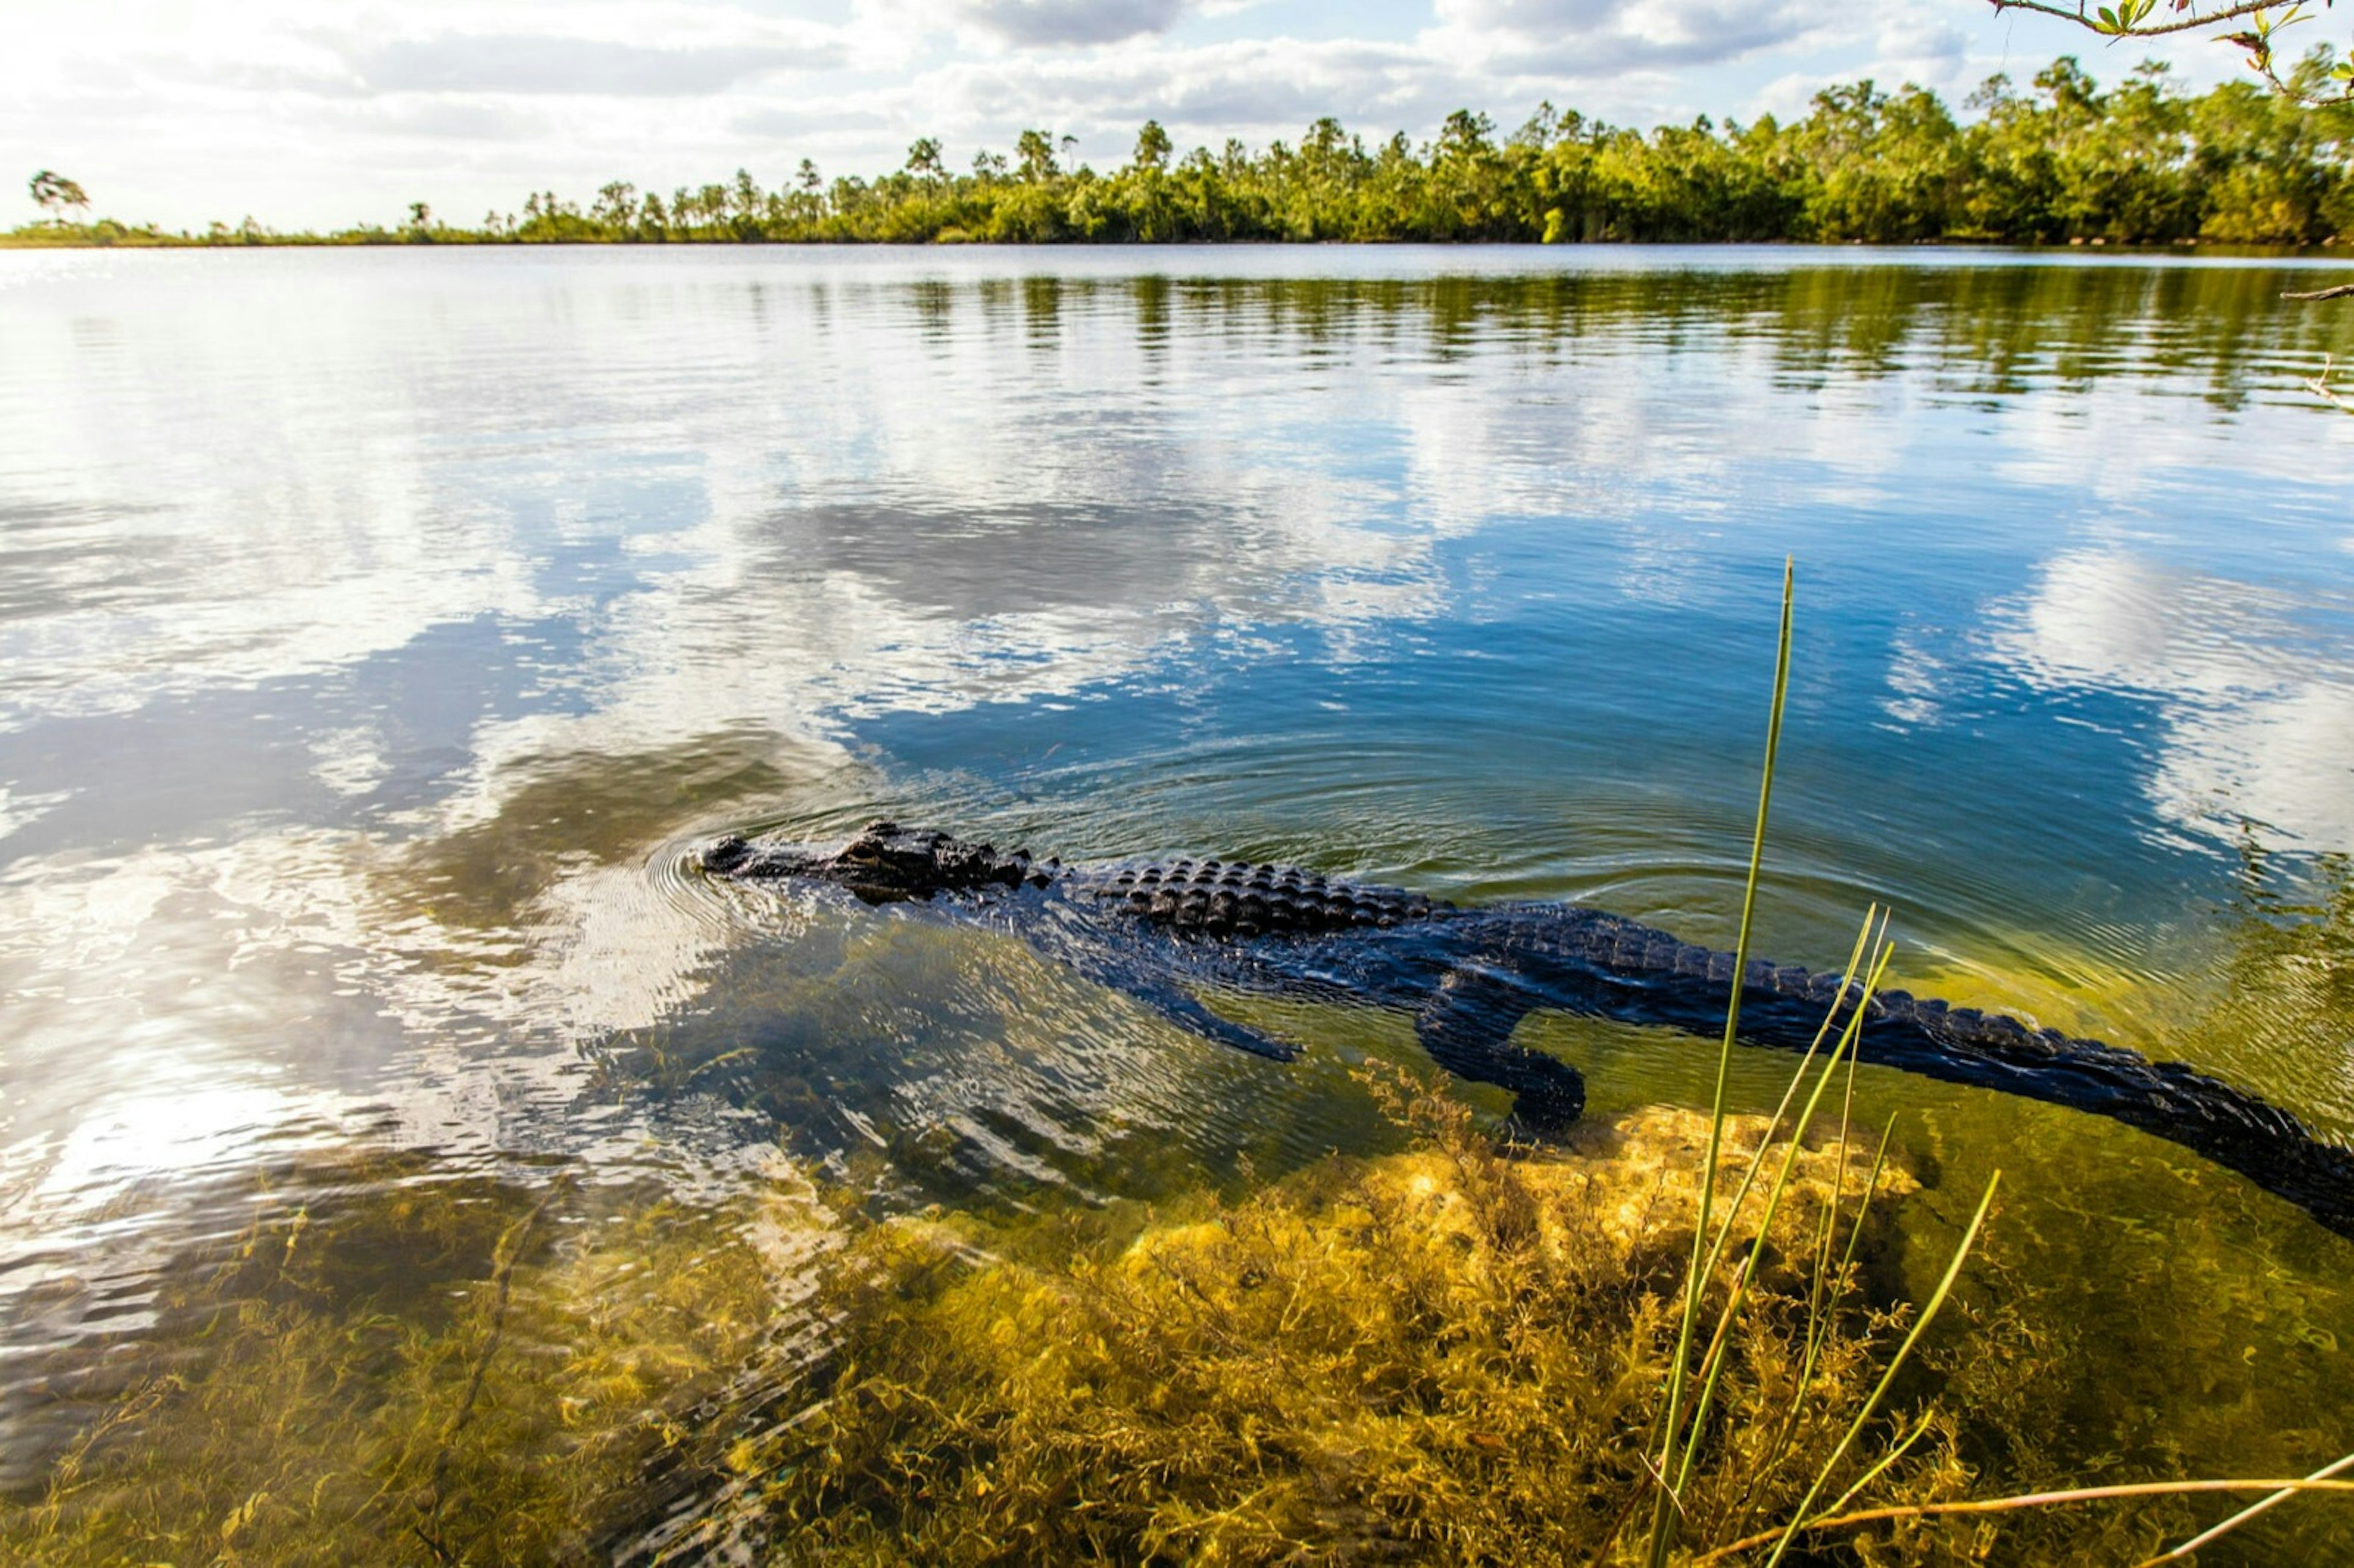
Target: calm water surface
(381,628)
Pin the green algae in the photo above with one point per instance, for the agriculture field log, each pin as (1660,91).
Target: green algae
(1454,1353)
(392,1365)
(1449,1351)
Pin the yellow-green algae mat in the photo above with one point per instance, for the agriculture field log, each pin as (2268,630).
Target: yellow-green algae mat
(395,1365)
(1453,1354)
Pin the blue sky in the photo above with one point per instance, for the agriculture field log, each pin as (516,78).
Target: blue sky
(321,113)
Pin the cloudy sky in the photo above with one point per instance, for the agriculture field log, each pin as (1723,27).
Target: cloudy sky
(323,113)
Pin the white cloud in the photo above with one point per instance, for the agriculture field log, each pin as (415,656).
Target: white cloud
(478,62)
(1580,39)
(1057,22)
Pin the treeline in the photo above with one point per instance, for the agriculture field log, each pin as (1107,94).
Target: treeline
(2142,162)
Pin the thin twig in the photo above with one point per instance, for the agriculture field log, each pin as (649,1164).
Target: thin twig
(2319,386)
(2013,1504)
(2335,292)
(2208,1536)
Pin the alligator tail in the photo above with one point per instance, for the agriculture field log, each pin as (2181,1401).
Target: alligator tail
(2172,1100)
(1650,976)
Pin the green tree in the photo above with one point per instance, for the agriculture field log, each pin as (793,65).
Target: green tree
(1152,147)
(52,191)
(1879,169)
(1034,152)
(617,205)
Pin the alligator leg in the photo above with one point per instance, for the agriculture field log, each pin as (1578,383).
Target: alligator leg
(1467,1026)
(1179,1008)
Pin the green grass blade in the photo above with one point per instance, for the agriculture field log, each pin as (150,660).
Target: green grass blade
(1800,1516)
(1663,1512)
(1721,1343)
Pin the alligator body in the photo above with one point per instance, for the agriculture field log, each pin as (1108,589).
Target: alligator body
(1164,931)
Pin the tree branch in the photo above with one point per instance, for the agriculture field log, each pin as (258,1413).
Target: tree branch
(2156,29)
(2336,291)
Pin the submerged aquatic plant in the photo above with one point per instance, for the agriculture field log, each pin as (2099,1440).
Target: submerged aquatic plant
(391,1365)
(1453,1354)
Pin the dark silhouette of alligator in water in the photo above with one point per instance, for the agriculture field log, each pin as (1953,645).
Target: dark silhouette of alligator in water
(1160,930)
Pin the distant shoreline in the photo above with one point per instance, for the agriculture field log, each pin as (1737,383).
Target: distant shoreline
(2144,163)
(2324,250)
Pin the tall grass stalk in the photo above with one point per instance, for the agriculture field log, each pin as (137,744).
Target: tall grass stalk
(1799,1517)
(1712,1365)
(1866,943)
(1663,1511)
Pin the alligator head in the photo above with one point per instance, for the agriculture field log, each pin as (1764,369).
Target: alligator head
(885,863)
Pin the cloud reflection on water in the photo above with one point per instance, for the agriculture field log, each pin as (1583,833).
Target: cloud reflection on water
(2255,697)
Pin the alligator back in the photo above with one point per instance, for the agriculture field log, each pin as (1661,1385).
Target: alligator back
(1239,899)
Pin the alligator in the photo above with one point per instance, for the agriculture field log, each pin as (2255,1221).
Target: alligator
(1167,931)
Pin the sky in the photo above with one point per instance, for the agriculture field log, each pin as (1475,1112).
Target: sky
(319,113)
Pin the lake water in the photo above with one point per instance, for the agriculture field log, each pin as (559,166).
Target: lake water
(382,629)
